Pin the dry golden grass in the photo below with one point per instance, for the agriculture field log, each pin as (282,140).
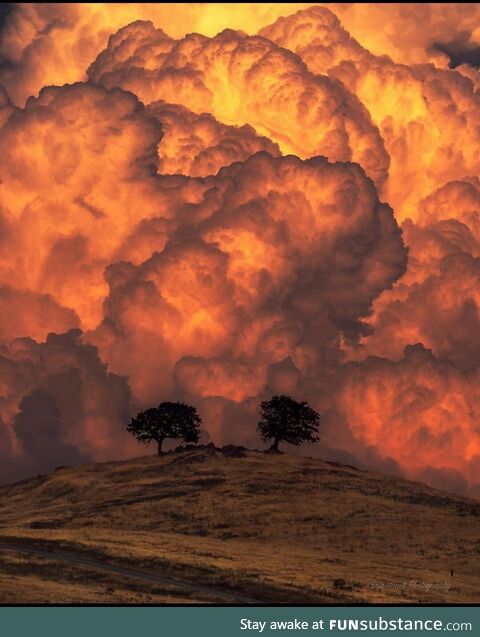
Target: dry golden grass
(275,528)
(32,580)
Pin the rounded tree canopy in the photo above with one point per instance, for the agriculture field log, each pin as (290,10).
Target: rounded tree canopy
(283,419)
(168,420)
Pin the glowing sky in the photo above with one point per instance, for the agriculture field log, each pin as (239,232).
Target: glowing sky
(215,203)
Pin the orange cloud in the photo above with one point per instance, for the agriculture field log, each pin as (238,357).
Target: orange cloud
(223,200)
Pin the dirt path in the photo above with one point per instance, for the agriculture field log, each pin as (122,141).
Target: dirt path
(71,558)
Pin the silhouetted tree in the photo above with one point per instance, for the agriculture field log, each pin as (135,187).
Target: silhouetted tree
(168,420)
(283,419)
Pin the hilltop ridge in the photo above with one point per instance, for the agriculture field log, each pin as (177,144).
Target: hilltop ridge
(274,528)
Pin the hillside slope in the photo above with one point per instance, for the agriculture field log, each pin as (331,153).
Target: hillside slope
(270,528)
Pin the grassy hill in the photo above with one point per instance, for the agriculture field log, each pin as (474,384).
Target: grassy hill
(267,527)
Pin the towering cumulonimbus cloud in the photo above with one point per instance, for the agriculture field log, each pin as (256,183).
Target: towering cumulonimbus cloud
(235,204)
(437,301)
(247,284)
(44,43)
(171,273)
(427,116)
(410,32)
(76,167)
(417,402)
(59,403)
(199,145)
(252,81)
(48,43)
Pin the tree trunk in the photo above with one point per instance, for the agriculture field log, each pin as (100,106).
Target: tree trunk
(274,446)
(159,452)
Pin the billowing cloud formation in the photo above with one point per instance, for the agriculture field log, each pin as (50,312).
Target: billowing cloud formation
(417,403)
(59,404)
(409,32)
(211,286)
(439,293)
(213,217)
(242,284)
(305,114)
(63,217)
(199,145)
(49,43)
(39,431)
(32,313)
(427,116)
(46,43)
